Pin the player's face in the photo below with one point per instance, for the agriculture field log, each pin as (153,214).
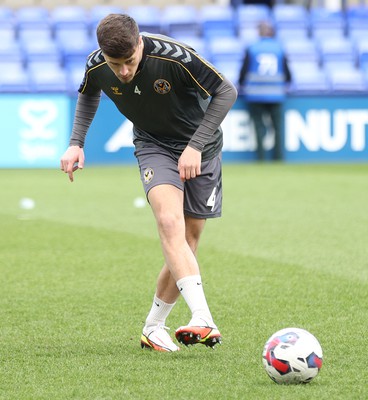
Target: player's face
(126,68)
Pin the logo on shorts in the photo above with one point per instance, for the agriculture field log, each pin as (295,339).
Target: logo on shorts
(162,86)
(148,175)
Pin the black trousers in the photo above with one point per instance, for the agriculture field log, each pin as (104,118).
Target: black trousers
(258,111)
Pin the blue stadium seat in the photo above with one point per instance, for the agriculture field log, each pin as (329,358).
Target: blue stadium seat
(362,52)
(309,81)
(72,17)
(35,65)
(300,66)
(356,17)
(358,34)
(180,19)
(35,34)
(323,18)
(218,21)
(47,77)
(147,17)
(13,78)
(74,75)
(11,50)
(248,36)
(227,54)
(325,23)
(6,17)
(321,34)
(230,69)
(98,12)
(6,13)
(298,49)
(225,49)
(294,33)
(7,33)
(290,16)
(32,17)
(196,43)
(42,50)
(336,49)
(364,69)
(348,80)
(74,44)
(250,15)
(334,65)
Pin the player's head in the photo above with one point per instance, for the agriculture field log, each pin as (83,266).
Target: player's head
(266,29)
(121,45)
(118,35)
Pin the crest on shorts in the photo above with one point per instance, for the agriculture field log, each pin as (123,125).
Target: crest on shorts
(162,86)
(148,175)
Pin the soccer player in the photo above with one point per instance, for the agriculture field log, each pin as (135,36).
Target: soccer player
(176,101)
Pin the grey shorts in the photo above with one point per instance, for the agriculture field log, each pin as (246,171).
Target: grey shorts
(202,195)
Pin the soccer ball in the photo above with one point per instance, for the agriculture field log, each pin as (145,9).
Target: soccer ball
(292,356)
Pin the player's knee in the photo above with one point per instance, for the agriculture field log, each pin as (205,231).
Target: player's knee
(169,224)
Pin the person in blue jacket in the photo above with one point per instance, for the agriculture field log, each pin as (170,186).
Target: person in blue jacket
(262,81)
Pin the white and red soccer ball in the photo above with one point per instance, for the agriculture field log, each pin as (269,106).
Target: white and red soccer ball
(292,356)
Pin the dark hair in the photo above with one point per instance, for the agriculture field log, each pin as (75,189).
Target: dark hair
(118,35)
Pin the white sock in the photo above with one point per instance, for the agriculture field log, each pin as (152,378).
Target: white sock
(191,289)
(158,313)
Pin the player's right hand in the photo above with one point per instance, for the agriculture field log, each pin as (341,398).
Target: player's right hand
(72,160)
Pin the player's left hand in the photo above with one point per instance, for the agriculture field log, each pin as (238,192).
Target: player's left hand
(189,165)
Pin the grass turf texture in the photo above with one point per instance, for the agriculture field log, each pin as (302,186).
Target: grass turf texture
(78,274)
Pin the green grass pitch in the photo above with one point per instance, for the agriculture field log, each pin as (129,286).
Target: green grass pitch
(78,274)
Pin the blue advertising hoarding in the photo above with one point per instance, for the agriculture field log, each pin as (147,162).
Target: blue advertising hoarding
(33,130)
(316,129)
(110,137)
(326,129)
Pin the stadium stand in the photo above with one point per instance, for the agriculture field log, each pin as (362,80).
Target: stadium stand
(69,17)
(325,19)
(218,21)
(313,81)
(40,50)
(48,76)
(98,11)
(11,51)
(347,80)
(362,52)
(357,17)
(13,77)
(60,34)
(147,17)
(248,16)
(290,16)
(178,20)
(197,43)
(224,49)
(301,49)
(335,48)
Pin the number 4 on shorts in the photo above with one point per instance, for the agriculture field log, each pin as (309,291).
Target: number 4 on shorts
(212,199)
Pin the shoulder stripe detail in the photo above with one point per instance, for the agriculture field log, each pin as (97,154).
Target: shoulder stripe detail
(95,58)
(169,42)
(165,48)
